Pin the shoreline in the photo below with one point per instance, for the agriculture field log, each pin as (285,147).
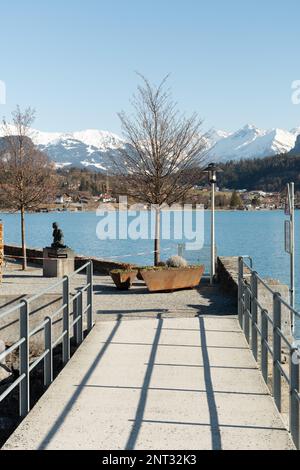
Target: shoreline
(120,209)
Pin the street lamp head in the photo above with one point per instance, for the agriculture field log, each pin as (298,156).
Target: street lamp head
(212,169)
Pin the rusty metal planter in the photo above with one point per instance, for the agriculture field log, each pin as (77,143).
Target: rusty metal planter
(172,279)
(123,280)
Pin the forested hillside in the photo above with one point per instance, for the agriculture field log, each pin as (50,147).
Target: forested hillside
(266,174)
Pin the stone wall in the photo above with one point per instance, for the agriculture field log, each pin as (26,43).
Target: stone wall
(227,274)
(35,256)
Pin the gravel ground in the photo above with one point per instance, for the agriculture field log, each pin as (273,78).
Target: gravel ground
(110,303)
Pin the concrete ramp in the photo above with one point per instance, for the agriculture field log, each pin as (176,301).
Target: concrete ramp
(182,383)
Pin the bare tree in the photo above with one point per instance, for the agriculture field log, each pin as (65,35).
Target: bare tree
(162,159)
(27,176)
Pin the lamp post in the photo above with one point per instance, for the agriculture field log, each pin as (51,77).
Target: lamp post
(290,241)
(212,170)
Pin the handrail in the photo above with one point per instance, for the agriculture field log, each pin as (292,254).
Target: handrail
(80,269)
(265,284)
(57,312)
(12,387)
(37,329)
(36,296)
(46,326)
(10,310)
(271,327)
(295,312)
(12,348)
(272,291)
(250,259)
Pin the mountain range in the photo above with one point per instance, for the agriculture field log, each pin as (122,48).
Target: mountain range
(93,148)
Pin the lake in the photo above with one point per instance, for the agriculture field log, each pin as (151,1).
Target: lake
(259,234)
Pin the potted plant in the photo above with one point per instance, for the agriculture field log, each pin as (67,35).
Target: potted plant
(123,278)
(177,274)
(142,268)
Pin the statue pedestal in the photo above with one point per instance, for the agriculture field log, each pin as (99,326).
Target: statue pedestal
(58,262)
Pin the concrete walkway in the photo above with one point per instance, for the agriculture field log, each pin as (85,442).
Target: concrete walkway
(165,383)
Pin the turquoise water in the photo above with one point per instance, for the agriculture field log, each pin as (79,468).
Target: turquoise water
(259,234)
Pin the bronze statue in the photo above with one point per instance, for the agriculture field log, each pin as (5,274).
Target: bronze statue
(58,237)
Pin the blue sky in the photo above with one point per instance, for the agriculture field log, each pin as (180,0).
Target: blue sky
(232,62)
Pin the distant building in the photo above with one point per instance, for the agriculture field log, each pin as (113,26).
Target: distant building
(106,197)
(63,199)
(258,193)
(59,200)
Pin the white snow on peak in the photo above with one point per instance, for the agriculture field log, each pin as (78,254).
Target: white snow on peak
(92,137)
(92,147)
(252,142)
(295,131)
(99,139)
(214,135)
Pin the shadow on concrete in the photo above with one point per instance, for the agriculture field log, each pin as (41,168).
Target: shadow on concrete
(184,390)
(60,420)
(138,420)
(106,289)
(170,345)
(133,311)
(21,276)
(213,411)
(206,329)
(218,303)
(233,426)
(201,367)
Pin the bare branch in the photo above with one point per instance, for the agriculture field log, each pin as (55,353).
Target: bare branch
(164,148)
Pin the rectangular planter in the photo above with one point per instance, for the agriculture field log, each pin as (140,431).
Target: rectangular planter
(173,278)
(123,280)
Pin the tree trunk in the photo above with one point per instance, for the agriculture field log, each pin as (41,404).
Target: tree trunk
(157,237)
(24,259)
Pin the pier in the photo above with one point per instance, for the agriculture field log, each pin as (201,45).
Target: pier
(157,371)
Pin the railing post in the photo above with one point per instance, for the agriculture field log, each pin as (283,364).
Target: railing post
(254,314)
(48,362)
(240,289)
(24,360)
(90,296)
(66,320)
(80,314)
(276,349)
(294,389)
(246,314)
(264,348)
(75,316)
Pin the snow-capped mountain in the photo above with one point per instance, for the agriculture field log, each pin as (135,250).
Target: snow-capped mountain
(93,148)
(296,149)
(90,148)
(251,142)
(296,131)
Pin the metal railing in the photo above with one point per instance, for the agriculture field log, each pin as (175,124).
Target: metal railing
(264,334)
(70,305)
